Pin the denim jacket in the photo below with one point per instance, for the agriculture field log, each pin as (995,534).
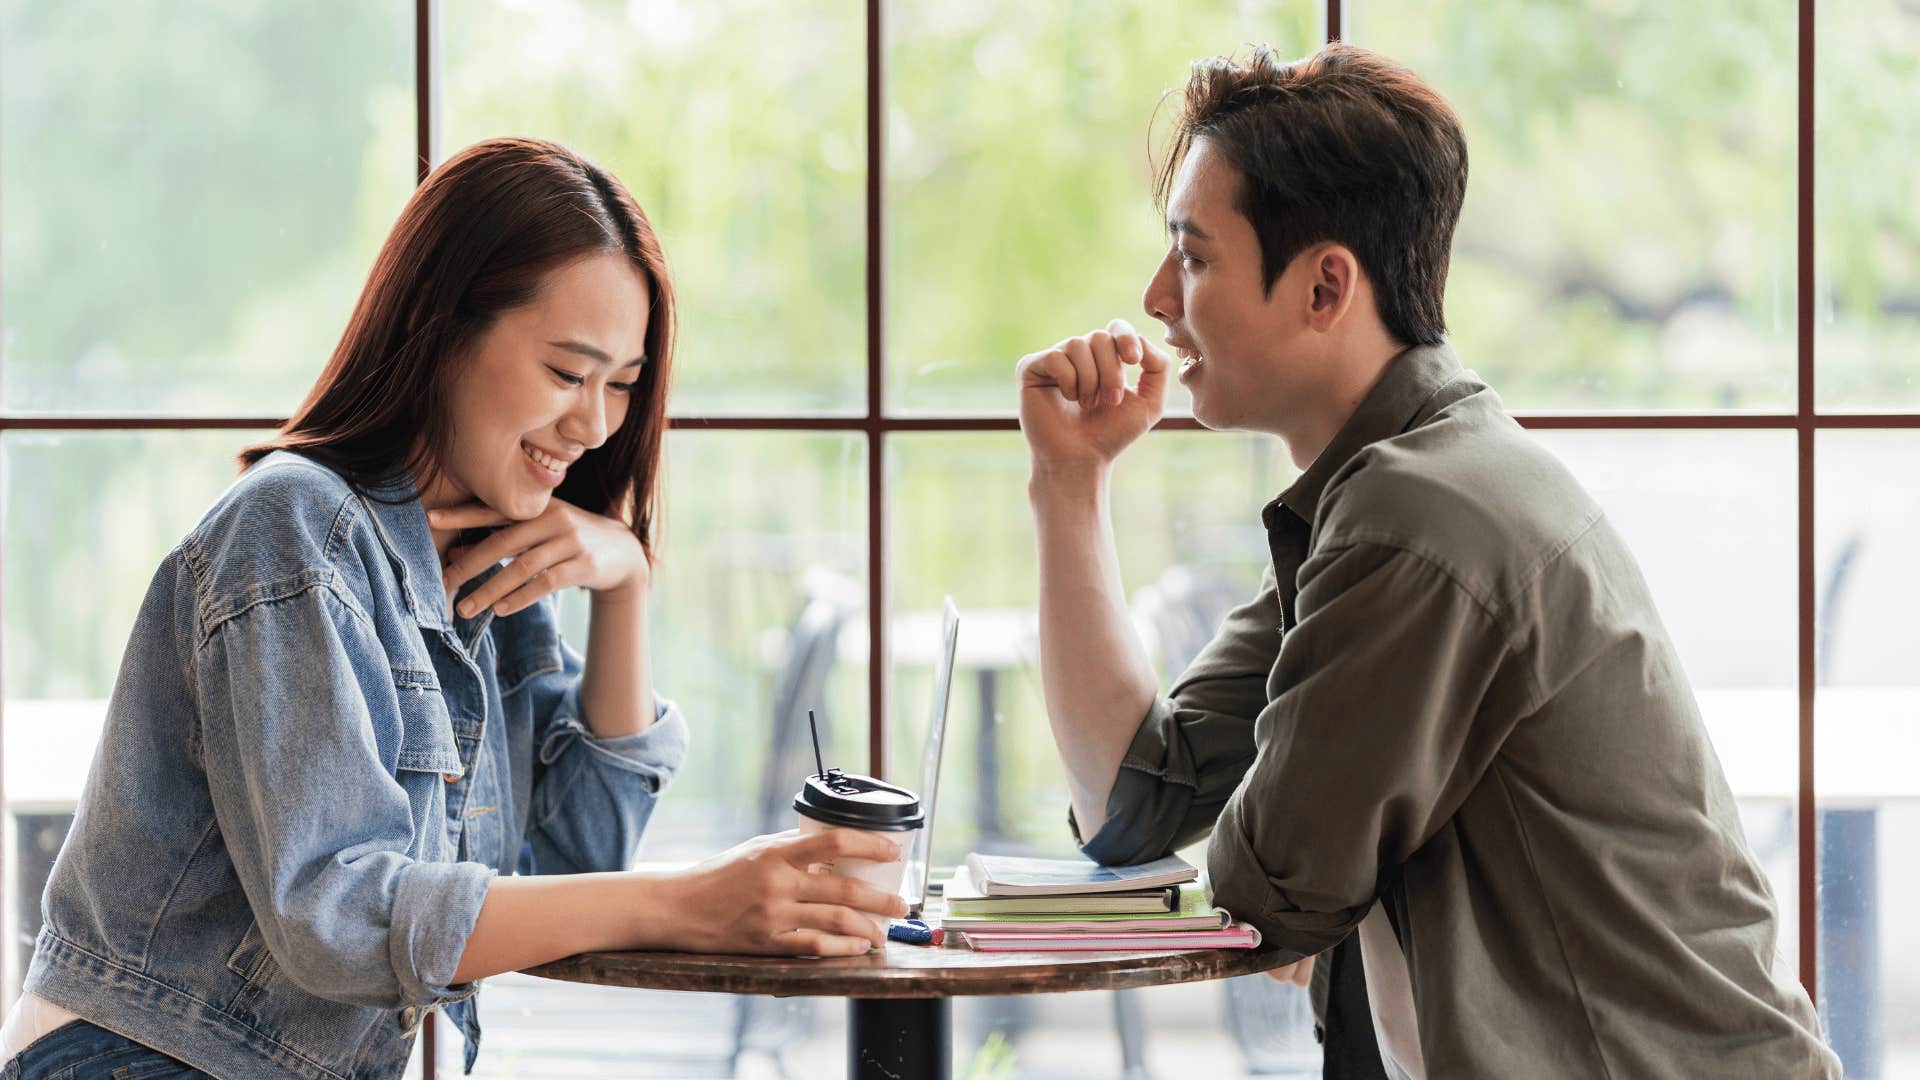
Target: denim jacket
(308,776)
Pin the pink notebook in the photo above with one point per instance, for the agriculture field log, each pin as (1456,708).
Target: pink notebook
(1237,936)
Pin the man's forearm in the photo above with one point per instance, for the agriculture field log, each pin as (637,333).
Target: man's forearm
(1093,669)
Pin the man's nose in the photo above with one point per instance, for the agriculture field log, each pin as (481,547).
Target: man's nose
(1161,299)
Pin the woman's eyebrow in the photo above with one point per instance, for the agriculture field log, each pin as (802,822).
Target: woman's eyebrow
(592,353)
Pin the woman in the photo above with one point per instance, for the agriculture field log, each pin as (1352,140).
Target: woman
(345,717)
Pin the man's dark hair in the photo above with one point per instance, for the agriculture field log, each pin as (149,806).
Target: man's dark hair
(1344,145)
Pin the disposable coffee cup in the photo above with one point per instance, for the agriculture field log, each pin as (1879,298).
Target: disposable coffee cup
(843,800)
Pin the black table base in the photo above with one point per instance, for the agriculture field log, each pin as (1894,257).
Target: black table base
(899,1038)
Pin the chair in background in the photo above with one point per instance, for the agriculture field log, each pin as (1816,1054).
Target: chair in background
(808,659)
(37,836)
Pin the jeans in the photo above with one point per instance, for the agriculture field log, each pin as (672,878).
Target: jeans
(82,1051)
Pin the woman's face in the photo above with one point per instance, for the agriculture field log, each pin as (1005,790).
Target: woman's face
(545,384)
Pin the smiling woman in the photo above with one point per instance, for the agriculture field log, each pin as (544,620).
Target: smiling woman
(355,767)
(495,277)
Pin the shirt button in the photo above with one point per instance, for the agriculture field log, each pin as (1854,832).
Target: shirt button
(410,1017)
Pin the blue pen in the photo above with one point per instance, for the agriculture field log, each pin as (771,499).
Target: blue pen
(910,932)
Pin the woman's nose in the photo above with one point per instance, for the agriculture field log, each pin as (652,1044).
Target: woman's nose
(586,423)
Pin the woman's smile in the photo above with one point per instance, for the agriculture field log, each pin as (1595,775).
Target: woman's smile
(545,467)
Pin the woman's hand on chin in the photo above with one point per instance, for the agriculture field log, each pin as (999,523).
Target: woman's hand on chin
(562,547)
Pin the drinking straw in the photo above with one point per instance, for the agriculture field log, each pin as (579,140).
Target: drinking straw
(817,760)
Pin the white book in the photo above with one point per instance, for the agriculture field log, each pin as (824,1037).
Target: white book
(965,899)
(1009,875)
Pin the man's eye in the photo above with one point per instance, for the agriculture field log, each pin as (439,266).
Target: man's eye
(567,377)
(1188,260)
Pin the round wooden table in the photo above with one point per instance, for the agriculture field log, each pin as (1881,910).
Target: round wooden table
(899,1020)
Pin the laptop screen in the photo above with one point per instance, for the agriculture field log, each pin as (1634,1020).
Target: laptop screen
(920,863)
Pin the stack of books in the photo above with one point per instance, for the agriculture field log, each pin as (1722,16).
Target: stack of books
(1001,903)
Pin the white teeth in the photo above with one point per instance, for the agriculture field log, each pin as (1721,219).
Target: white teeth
(543,460)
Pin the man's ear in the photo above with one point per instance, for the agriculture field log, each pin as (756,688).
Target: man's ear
(1334,278)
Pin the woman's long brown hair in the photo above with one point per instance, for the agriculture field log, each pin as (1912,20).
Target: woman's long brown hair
(476,240)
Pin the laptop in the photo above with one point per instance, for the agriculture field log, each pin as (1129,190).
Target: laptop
(920,861)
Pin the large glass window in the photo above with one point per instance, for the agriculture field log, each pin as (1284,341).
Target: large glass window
(737,125)
(1017,147)
(89,516)
(1869,732)
(1734,640)
(192,199)
(1867,271)
(190,202)
(1628,236)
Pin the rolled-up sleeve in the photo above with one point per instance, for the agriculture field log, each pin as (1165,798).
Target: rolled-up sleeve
(1195,744)
(297,705)
(1376,736)
(592,796)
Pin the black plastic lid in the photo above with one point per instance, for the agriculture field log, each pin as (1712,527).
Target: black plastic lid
(858,802)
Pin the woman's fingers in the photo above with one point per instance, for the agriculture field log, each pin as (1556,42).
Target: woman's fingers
(839,843)
(522,582)
(468,515)
(850,893)
(841,921)
(506,543)
(819,943)
(524,597)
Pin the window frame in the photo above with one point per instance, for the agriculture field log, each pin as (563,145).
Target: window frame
(877,424)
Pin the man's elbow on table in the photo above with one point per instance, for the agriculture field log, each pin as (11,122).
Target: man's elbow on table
(1142,823)
(1298,920)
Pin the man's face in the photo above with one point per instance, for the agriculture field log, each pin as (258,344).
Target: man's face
(1233,336)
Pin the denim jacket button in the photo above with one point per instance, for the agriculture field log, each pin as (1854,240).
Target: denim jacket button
(410,1017)
(451,777)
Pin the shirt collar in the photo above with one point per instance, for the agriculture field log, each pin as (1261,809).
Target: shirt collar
(402,523)
(1391,407)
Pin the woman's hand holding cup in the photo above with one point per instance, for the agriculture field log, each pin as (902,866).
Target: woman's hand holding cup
(763,897)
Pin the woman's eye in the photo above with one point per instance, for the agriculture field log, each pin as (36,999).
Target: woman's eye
(567,377)
(620,387)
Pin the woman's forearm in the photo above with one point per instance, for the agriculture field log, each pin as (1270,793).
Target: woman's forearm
(526,921)
(616,690)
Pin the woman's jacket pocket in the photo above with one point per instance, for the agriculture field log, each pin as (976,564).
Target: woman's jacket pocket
(427,743)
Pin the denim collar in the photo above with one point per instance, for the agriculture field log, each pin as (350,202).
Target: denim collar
(1406,388)
(402,524)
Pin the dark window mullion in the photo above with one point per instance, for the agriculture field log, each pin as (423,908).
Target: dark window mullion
(877,652)
(426,138)
(1807,424)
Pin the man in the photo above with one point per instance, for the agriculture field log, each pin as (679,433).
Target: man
(1450,724)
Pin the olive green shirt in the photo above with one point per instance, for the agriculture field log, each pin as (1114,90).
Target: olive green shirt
(1454,695)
